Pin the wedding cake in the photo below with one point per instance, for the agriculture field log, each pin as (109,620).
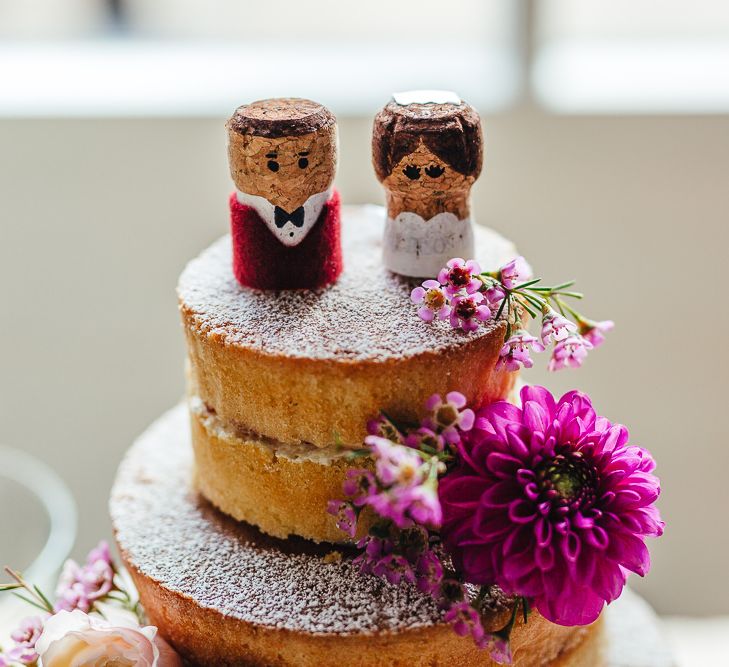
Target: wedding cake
(319,498)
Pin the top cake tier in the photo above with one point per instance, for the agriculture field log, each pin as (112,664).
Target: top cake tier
(314,366)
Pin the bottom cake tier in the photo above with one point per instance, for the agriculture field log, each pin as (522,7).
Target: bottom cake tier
(222,593)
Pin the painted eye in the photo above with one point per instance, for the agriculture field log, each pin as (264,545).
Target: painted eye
(303,162)
(412,172)
(434,170)
(272,165)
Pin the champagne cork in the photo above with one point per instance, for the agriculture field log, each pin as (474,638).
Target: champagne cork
(427,151)
(285,213)
(284,150)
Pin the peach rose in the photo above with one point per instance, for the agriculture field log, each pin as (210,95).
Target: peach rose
(73,638)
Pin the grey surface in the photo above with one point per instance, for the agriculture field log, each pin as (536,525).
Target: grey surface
(634,634)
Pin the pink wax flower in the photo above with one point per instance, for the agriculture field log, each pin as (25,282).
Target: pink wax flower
(499,649)
(516,272)
(433,301)
(494,295)
(549,501)
(429,572)
(345,514)
(515,351)
(460,276)
(468,310)
(25,637)
(450,416)
(80,586)
(395,569)
(555,327)
(594,332)
(569,353)
(384,428)
(421,504)
(359,485)
(425,439)
(395,464)
(465,620)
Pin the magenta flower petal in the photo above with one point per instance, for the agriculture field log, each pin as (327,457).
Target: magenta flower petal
(550,501)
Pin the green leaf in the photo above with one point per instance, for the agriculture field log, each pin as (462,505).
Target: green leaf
(41,595)
(9,587)
(29,601)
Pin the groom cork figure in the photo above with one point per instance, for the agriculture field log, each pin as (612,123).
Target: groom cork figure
(285,222)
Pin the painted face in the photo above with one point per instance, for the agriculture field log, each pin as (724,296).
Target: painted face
(286,170)
(421,174)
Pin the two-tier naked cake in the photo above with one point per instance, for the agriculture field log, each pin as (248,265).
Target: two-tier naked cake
(301,330)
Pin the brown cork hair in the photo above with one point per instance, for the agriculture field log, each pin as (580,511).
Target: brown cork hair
(450,131)
(281,117)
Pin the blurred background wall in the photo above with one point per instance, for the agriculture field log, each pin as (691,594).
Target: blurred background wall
(607,160)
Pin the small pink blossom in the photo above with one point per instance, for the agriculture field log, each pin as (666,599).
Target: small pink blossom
(425,439)
(433,301)
(465,620)
(359,485)
(498,647)
(468,310)
(345,514)
(449,417)
(384,428)
(594,332)
(393,506)
(494,295)
(395,569)
(373,550)
(25,638)
(429,572)
(460,276)
(80,586)
(516,272)
(420,503)
(555,327)
(569,353)
(395,464)
(515,352)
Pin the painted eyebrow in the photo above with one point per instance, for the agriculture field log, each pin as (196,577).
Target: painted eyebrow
(303,153)
(271,155)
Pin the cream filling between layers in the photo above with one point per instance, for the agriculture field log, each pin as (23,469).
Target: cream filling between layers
(296,453)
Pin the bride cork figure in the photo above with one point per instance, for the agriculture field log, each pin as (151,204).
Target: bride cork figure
(427,151)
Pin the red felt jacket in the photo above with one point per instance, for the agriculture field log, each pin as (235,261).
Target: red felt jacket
(260,260)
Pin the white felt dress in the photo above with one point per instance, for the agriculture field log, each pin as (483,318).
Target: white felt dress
(413,246)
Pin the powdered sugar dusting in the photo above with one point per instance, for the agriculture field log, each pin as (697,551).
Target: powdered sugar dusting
(366,315)
(171,535)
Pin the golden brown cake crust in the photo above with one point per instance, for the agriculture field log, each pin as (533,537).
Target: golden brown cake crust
(281,492)
(305,366)
(224,594)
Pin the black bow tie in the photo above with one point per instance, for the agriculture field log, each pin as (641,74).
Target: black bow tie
(281,217)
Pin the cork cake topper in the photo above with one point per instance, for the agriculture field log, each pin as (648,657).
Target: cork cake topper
(427,151)
(285,220)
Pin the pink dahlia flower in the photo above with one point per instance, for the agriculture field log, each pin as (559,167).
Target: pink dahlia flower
(468,310)
(432,300)
(460,276)
(549,501)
